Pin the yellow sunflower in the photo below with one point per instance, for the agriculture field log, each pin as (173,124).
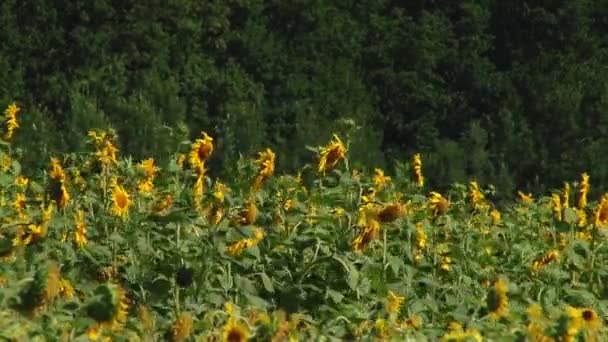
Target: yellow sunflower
(121,200)
(202,149)
(380,180)
(182,328)
(234,331)
(10,114)
(591,320)
(498,301)
(80,235)
(601,212)
(583,190)
(417,166)
(265,168)
(438,204)
(331,154)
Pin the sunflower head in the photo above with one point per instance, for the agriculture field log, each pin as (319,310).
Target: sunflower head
(234,331)
(525,198)
(109,306)
(150,170)
(380,180)
(417,168)
(202,149)
(438,204)
(394,303)
(43,289)
(601,212)
(182,327)
(331,154)
(590,319)
(497,300)
(391,212)
(121,201)
(368,234)
(58,192)
(265,168)
(10,114)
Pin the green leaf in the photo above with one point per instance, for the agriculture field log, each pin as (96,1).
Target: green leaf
(267,282)
(570,216)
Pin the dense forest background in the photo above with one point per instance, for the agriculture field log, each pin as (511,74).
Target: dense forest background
(513,93)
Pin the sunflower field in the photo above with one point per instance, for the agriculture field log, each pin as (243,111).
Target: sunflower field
(105,248)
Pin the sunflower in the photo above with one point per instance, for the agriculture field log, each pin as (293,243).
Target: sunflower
(220,190)
(478,199)
(22,181)
(10,114)
(414,321)
(526,199)
(248,215)
(43,289)
(163,204)
(583,190)
(265,168)
(202,149)
(457,333)
(591,320)
(59,193)
(420,241)
(109,307)
(105,146)
(545,260)
(380,180)
(199,184)
(234,331)
(66,289)
(182,328)
(331,154)
(438,204)
(146,318)
(566,195)
(80,235)
(557,206)
(367,235)
(391,212)
(495,216)
(394,303)
(121,201)
(601,212)
(417,166)
(570,323)
(497,300)
(56,171)
(149,169)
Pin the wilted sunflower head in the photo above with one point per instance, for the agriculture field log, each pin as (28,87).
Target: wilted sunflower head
(331,154)
(391,212)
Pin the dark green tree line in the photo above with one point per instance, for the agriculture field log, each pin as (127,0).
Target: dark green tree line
(511,93)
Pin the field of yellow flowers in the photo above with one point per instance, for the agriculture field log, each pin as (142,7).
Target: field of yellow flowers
(107,249)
